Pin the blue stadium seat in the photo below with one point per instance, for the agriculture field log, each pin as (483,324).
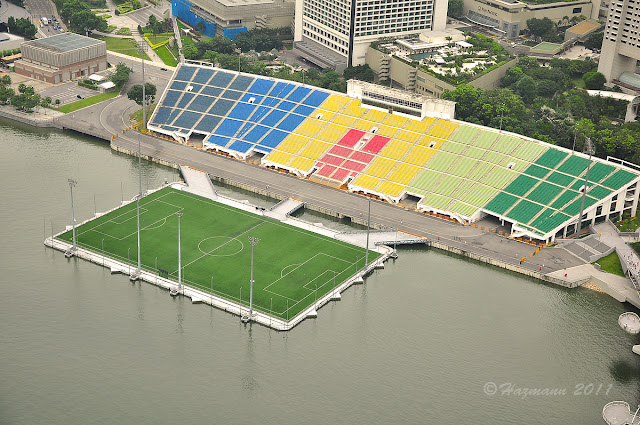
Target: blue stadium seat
(273,138)
(244,129)
(201,103)
(171,98)
(212,91)
(256,133)
(232,94)
(270,101)
(195,87)
(240,146)
(298,94)
(281,90)
(291,122)
(259,113)
(185,73)
(186,98)
(221,107)
(187,119)
(242,110)
(218,140)
(208,123)
(304,110)
(286,105)
(221,79)
(203,75)
(316,98)
(178,85)
(168,128)
(260,86)
(248,96)
(262,149)
(161,116)
(273,118)
(228,127)
(241,82)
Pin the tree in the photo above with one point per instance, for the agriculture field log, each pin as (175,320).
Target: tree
(594,42)
(455,9)
(57,102)
(5,80)
(121,76)
(200,26)
(526,88)
(190,51)
(594,80)
(22,87)
(360,72)
(512,76)
(539,27)
(45,102)
(466,97)
(135,93)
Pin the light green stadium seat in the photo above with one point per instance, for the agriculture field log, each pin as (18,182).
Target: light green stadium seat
(462,208)
(480,170)
(485,139)
(499,177)
(425,180)
(447,185)
(441,161)
(465,134)
(507,144)
(479,195)
(494,157)
(518,165)
(462,189)
(529,151)
(453,147)
(473,152)
(436,201)
(463,166)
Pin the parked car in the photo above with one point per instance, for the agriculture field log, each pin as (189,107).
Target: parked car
(80,96)
(163,69)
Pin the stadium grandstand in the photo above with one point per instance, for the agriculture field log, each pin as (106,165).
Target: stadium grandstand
(446,167)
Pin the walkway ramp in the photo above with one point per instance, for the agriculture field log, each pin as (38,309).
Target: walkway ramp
(198,183)
(282,210)
(379,237)
(590,249)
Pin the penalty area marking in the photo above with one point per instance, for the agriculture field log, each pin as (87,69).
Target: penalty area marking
(282,272)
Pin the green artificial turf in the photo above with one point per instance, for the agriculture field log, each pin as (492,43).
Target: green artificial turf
(288,262)
(74,106)
(166,56)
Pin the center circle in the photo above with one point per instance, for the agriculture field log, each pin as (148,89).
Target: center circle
(220,246)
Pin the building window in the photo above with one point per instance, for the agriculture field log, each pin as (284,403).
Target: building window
(577,10)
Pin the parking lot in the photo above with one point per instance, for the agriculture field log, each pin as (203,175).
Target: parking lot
(67,92)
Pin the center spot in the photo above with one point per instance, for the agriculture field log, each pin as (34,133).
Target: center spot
(220,246)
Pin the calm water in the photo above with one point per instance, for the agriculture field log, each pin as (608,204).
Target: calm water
(416,344)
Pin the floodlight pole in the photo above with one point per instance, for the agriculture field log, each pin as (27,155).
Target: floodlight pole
(179,255)
(501,116)
(253,241)
(366,255)
(590,149)
(142,47)
(72,183)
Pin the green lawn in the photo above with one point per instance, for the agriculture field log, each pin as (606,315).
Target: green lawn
(136,117)
(636,247)
(166,56)
(611,264)
(126,46)
(289,263)
(70,107)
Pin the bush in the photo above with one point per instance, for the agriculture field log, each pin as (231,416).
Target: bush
(594,80)
(117,12)
(87,84)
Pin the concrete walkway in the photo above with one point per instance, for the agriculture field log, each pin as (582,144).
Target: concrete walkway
(628,256)
(282,210)
(198,183)
(377,238)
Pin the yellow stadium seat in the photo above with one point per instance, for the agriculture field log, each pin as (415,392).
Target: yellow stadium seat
(395,149)
(293,143)
(395,120)
(443,129)
(419,155)
(363,125)
(420,126)
(354,109)
(408,136)
(391,188)
(431,142)
(366,182)
(345,120)
(380,167)
(404,173)
(335,103)
(309,127)
(375,115)
(279,157)
(314,149)
(331,133)
(385,130)
(302,164)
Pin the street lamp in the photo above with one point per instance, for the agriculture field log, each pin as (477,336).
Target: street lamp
(72,184)
(366,255)
(253,241)
(590,149)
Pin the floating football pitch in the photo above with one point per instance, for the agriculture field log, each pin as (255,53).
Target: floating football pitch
(289,263)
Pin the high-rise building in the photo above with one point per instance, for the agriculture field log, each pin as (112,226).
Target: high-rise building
(336,33)
(621,43)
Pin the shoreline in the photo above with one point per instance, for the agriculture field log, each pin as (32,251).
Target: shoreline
(89,130)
